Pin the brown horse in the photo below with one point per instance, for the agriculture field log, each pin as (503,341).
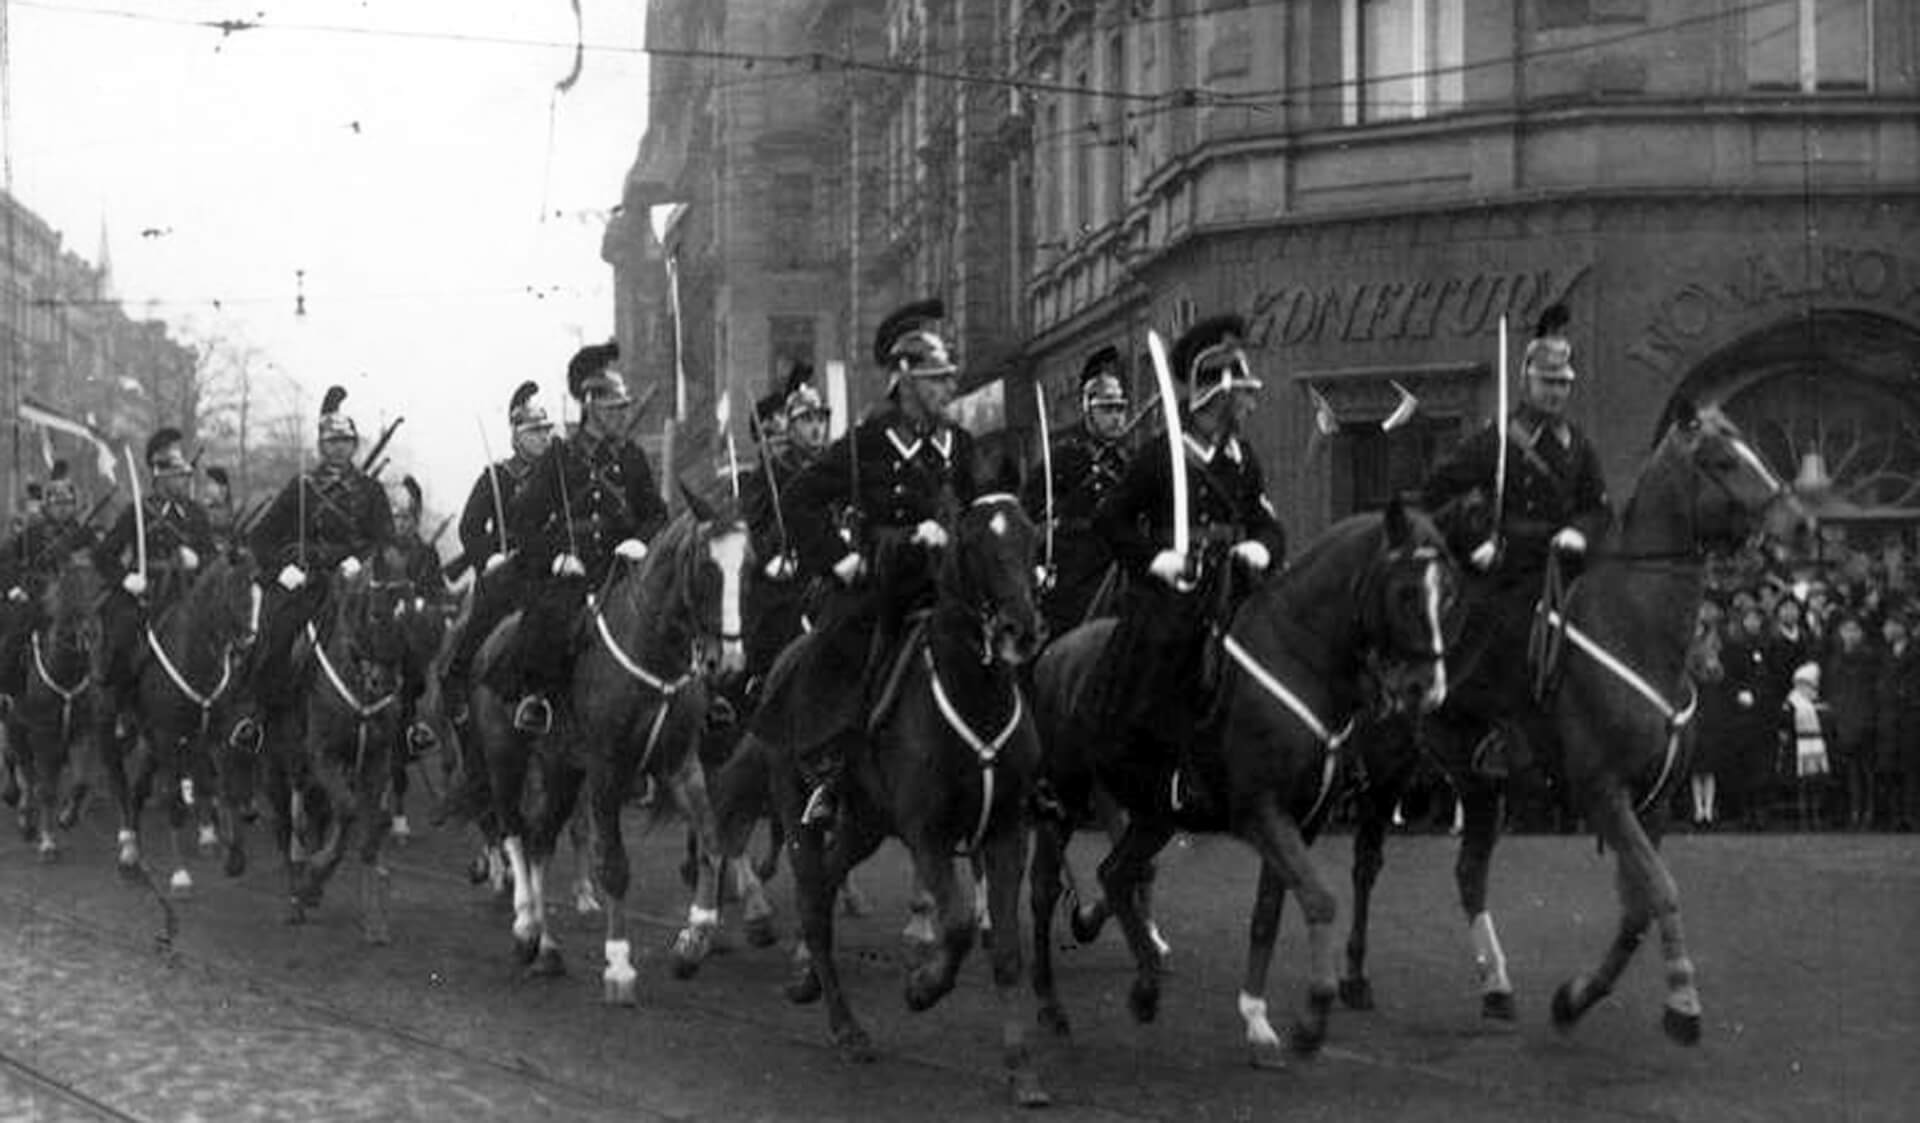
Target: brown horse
(947,767)
(1357,619)
(54,713)
(1621,713)
(330,771)
(188,661)
(636,707)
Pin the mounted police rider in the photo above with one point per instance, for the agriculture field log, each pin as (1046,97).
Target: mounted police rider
(898,477)
(1088,464)
(487,544)
(1555,504)
(791,425)
(589,501)
(1155,693)
(331,516)
(30,562)
(221,517)
(179,536)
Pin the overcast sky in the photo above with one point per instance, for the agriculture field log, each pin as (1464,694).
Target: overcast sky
(405,171)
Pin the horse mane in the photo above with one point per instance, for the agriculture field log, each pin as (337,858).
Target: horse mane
(70,595)
(1668,447)
(651,581)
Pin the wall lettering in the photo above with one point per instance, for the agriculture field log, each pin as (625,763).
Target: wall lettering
(1386,311)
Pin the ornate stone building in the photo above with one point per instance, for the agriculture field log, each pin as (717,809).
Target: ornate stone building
(1726,195)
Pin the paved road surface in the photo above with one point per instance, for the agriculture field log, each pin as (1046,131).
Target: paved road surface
(1806,946)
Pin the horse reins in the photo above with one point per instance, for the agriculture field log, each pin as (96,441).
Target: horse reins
(204,701)
(986,751)
(363,712)
(67,694)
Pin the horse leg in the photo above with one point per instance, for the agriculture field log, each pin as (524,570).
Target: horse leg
(1480,803)
(376,880)
(1263,931)
(1277,837)
(561,787)
(1369,858)
(813,900)
(1085,918)
(113,762)
(1647,893)
(611,877)
(1044,891)
(1120,875)
(179,798)
(1002,866)
(206,791)
(44,757)
(929,982)
(756,911)
(695,941)
(586,898)
(920,933)
(398,781)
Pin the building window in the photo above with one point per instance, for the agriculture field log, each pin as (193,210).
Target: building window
(1371,467)
(1401,58)
(790,241)
(789,341)
(1085,141)
(1809,45)
(1049,173)
(1115,134)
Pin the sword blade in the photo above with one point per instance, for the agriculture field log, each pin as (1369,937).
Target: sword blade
(1046,465)
(1176,442)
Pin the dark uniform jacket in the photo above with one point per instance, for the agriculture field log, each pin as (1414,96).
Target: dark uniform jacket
(171,524)
(1227,503)
(1085,471)
(1553,481)
(480,534)
(419,565)
(35,555)
(903,479)
(774,609)
(602,486)
(347,515)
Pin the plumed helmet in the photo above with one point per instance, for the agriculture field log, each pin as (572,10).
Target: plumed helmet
(60,483)
(525,411)
(165,457)
(592,376)
(405,497)
(1211,359)
(908,342)
(1549,352)
(335,425)
(1100,382)
(768,409)
(802,399)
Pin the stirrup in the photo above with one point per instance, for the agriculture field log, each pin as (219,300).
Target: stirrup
(821,807)
(421,740)
(246,736)
(533,715)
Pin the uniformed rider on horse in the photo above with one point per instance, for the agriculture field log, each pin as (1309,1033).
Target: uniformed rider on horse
(1555,506)
(791,426)
(487,542)
(871,514)
(330,516)
(29,563)
(1088,464)
(179,535)
(589,501)
(1155,690)
(411,559)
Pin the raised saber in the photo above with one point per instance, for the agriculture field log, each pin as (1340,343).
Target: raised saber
(1046,468)
(1500,427)
(139,514)
(493,480)
(1176,444)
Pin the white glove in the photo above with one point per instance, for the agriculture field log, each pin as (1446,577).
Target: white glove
(292,577)
(1570,541)
(780,568)
(930,534)
(17,595)
(1483,555)
(134,584)
(1043,578)
(493,562)
(1745,698)
(849,568)
(631,549)
(1169,566)
(189,560)
(350,568)
(566,565)
(1253,555)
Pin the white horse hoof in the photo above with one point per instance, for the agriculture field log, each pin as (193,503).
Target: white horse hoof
(209,839)
(617,987)
(401,829)
(181,883)
(1160,943)
(585,901)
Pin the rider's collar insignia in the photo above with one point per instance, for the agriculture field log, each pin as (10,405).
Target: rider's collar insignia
(1230,448)
(941,440)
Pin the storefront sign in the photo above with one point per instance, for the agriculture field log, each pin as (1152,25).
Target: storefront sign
(1417,308)
(1835,274)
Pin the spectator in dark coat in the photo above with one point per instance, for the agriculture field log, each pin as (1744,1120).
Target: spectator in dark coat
(1850,678)
(1745,757)
(1898,731)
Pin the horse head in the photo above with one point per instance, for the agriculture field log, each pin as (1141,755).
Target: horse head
(708,563)
(989,568)
(1407,597)
(1717,490)
(224,600)
(72,600)
(371,616)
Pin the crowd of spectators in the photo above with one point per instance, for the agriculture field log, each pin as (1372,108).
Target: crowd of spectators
(1815,721)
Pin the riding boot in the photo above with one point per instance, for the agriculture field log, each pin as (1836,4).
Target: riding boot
(822,767)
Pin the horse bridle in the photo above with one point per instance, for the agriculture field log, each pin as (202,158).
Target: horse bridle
(981,603)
